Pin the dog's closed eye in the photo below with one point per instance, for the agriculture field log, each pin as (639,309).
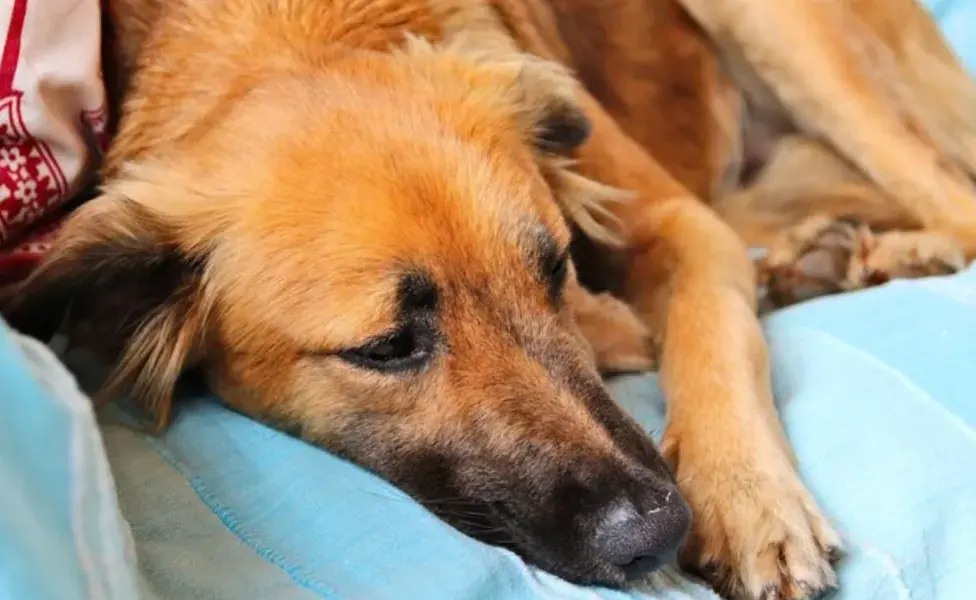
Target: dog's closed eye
(553,264)
(556,272)
(408,348)
(413,342)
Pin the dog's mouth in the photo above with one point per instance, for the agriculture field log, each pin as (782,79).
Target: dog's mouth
(483,521)
(611,552)
(493,523)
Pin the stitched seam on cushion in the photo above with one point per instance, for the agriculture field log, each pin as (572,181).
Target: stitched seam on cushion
(111,523)
(233,524)
(78,487)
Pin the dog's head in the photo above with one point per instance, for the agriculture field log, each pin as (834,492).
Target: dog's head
(377,257)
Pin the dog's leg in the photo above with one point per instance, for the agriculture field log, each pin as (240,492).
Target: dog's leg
(938,93)
(802,178)
(817,218)
(806,57)
(757,531)
(620,341)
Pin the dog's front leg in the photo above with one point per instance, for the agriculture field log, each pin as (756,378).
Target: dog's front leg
(757,532)
(822,65)
(619,339)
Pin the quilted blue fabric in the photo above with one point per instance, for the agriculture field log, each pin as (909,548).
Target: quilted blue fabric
(877,391)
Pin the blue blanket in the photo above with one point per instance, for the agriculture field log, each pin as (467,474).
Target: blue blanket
(876,389)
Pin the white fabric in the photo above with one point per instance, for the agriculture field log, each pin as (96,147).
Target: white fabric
(52,106)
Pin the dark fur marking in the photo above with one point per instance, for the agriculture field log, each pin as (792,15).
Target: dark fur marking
(417,293)
(141,271)
(563,130)
(413,342)
(552,265)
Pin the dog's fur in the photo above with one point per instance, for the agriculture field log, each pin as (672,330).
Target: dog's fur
(359,234)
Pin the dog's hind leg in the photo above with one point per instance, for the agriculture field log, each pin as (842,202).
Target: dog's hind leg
(803,178)
(936,91)
(812,61)
(826,229)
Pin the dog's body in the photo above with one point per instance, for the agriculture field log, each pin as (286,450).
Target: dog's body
(764,142)
(334,222)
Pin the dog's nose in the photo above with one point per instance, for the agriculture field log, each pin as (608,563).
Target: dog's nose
(642,539)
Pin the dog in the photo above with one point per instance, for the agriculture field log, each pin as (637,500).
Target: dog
(417,232)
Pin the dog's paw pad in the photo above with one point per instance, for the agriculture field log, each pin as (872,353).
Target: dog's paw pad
(812,260)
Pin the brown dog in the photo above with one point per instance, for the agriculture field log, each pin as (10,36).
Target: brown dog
(364,236)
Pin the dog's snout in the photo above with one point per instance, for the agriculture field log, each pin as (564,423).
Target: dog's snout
(640,539)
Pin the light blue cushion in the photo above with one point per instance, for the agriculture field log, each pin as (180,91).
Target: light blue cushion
(957,19)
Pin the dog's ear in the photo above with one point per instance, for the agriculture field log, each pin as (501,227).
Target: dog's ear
(548,102)
(118,268)
(541,96)
(561,125)
(541,93)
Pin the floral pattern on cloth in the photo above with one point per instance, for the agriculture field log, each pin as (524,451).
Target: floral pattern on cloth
(52,120)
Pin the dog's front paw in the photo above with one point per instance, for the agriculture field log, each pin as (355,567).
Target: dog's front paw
(907,255)
(757,533)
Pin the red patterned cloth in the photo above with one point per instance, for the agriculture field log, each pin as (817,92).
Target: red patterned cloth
(52,120)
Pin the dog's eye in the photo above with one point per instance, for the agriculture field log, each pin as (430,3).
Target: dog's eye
(557,276)
(402,350)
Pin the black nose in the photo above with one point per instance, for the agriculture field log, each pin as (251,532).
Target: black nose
(642,539)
